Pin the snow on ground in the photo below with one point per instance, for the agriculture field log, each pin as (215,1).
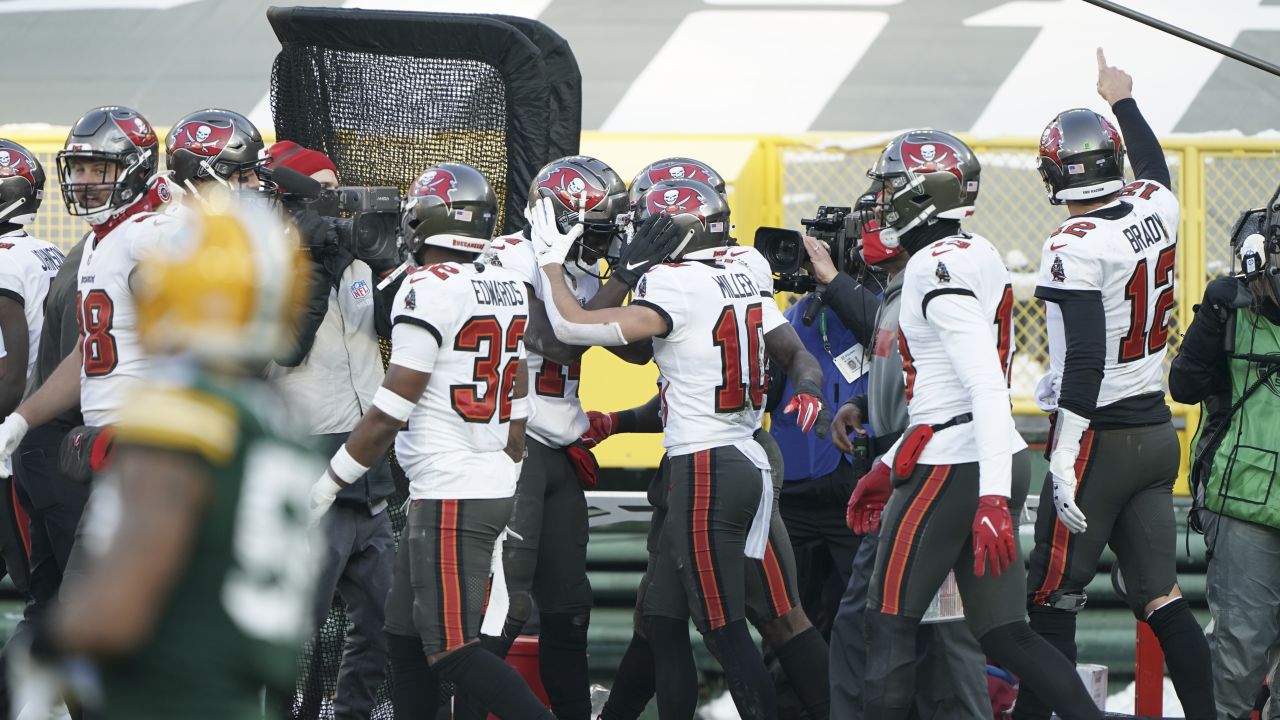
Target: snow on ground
(721,707)
(1123,701)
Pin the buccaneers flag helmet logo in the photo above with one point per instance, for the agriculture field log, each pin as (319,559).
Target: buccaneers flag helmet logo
(677,201)
(15,163)
(1051,143)
(680,171)
(137,130)
(574,190)
(439,183)
(931,157)
(202,138)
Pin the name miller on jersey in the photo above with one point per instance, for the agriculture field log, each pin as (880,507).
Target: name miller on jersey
(736,285)
(505,293)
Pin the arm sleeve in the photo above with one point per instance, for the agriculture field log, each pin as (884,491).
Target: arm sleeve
(1084,325)
(659,290)
(1201,367)
(855,305)
(414,347)
(1145,153)
(964,330)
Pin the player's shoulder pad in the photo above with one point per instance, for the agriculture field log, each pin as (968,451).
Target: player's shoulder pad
(1077,236)
(1148,190)
(951,260)
(427,284)
(514,252)
(753,261)
(183,419)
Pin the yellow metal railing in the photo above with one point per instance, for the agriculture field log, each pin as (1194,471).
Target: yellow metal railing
(776,180)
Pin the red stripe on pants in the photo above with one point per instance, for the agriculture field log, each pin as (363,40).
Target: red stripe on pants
(909,529)
(776,586)
(450,579)
(1061,540)
(699,527)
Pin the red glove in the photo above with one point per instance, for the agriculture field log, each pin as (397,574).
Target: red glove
(602,426)
(993,535)
(868,499)
(584,466)
(809,410)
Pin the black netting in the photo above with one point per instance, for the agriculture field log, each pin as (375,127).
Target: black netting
(397,115)
(387,94)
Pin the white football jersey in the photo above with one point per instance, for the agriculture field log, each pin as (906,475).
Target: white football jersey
(955,332)
(713,358)
(475,315)
(1125,251)
(27,267)
(113,359)
(556,418)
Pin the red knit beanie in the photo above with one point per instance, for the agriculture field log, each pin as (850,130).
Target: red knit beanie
(290,154)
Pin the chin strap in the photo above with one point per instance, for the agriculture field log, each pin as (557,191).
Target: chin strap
(159,192)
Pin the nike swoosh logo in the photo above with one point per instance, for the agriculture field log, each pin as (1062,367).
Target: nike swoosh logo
(633,266)
(1056,248)
(987,521)
(936,253)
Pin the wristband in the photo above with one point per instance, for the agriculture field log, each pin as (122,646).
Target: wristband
(520,408)
(808,387)
(345,467)
(392,404)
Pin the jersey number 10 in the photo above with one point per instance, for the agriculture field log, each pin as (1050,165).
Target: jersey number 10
(733,394)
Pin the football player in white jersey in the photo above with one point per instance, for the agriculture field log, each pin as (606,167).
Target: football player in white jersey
(27,266)
(960,469)
(107,171)
(454,402)
(545,551)
(1107,279)
(711,328)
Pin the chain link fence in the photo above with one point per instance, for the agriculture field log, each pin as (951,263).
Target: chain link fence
(1012,212)
(1215,178)
(1232,182)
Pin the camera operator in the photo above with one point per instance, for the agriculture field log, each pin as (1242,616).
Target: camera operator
(329,378)
(1229,361)
(833,321)
(952,660)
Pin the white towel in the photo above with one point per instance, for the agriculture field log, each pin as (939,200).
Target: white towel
(758,535)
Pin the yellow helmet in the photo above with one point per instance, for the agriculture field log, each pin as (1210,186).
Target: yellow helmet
(228,285)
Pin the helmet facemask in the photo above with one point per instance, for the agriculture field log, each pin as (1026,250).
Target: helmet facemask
(96,193)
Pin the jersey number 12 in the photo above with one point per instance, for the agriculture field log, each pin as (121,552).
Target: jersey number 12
(1148,335)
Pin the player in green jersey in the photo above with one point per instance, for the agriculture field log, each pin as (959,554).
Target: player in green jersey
(200,582)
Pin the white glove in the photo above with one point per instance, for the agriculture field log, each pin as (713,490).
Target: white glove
(1062,466)
(323,493)
(549,244)
(12,430)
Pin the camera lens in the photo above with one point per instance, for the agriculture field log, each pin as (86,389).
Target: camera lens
(787,254)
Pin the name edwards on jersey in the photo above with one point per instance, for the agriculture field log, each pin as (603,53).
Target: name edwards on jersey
(503,293)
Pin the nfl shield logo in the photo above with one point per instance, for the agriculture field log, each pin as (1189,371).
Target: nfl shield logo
(359,289)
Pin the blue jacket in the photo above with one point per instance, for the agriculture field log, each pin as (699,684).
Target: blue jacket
(805,455)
